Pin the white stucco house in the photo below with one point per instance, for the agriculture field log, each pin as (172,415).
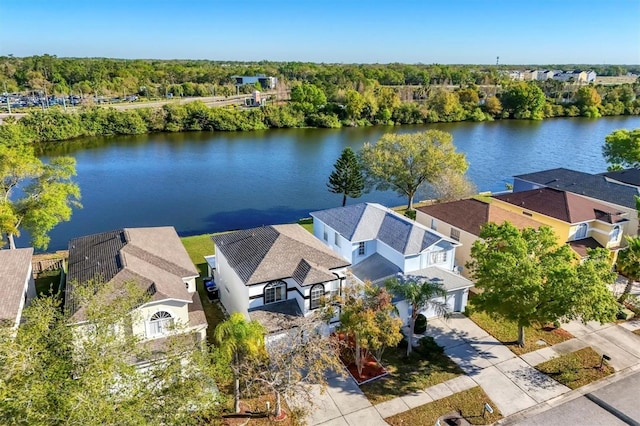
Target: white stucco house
(16,285)
(153,258)
(380,243)
(275,274)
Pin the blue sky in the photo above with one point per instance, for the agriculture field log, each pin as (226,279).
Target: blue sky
(347,31)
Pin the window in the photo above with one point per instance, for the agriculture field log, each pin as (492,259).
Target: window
(325,234)
(439,257)
(455,234)
(275,291)
(317,291)
(434,225)
(615,234)
(361,248)
(336,239)
(581,232)
(160,323)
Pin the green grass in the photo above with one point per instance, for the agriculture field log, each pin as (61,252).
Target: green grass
(576,369)
(469,403)
(409,375)
(47,282)
(198,246)
(507,333)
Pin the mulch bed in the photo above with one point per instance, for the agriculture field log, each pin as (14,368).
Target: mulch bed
(371,370)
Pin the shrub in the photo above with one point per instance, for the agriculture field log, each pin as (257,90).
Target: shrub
(421,324)
(427,346)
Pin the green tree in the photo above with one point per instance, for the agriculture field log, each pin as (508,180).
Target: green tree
(308,97)
(588,100)
(346,178)
(622,147)
(526,277)
(524,100)
(354,104)
(237,340)
(46,196)
(56,373)
(493,106)
(406,162)
(420,293)
(629,263)
(367,321)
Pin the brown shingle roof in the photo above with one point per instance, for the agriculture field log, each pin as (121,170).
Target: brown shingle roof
(15,267)
(471,214)
(565,206)
(275,252)
(581,246)
(152,257)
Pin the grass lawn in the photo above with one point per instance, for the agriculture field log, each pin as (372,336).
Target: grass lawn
(507,333)
(408,375)
(46,282)
(469,403)
(576,369)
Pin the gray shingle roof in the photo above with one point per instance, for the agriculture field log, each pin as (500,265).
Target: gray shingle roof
(14,271)
(152,257)
(370,221)
(276,252)
(277,316)
(628,176)
(593,186)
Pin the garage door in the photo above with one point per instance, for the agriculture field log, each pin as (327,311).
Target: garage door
(452,301)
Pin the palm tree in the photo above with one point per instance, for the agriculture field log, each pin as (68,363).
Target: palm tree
(420,293)
(238,339)
(629,263)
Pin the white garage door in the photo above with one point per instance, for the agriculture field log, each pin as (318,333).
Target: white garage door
(452,302)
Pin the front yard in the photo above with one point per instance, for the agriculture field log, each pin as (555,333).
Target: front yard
(407,375)
(468,403)
(576,369)
(507,333)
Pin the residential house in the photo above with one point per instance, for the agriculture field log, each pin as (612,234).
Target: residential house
(575,76)
(152,258)
(462,220)
(591,76)
(595,187)
(273,274)
(16,284)
(630,177)
(530,75)
(545,74)
(579,221)
(380,243)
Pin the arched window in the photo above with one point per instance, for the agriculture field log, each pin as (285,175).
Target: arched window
(317,291)
(160,323)
(615,234)
(581,232)
(275,291)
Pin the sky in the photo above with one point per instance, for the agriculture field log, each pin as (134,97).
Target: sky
(329,31)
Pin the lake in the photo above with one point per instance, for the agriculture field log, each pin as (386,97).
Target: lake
(213,181)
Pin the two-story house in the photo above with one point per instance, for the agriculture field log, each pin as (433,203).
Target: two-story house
(381,243)
(152,258)
(273,274)
(599,188)
(16,285)
(579,221)
(462,221)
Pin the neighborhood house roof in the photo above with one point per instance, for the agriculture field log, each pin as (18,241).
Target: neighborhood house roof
(471,214)
(628,176)
(581,246)
(593,186)
(370,221)
(152,257)
(276,252)
(15,268)
(562,205)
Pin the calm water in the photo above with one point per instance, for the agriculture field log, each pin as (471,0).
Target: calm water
(207,182)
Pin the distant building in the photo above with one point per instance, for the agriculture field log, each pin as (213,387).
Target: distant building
(545,74)
(576,76)
(265,82)
(530,75)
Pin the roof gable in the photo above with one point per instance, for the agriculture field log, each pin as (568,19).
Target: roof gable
(593,186)
(628,176)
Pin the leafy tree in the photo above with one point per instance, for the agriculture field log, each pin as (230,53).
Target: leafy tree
(420,293)
(295,363)
(524,100)
(238,340)
(346,178)
(451,186)
(406,162)
(54,373)
(354,104)
(46,196)
(629,263)
(526,277)
(493,105)
(588,100)
(367,321)
(308,97)
(622,147)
